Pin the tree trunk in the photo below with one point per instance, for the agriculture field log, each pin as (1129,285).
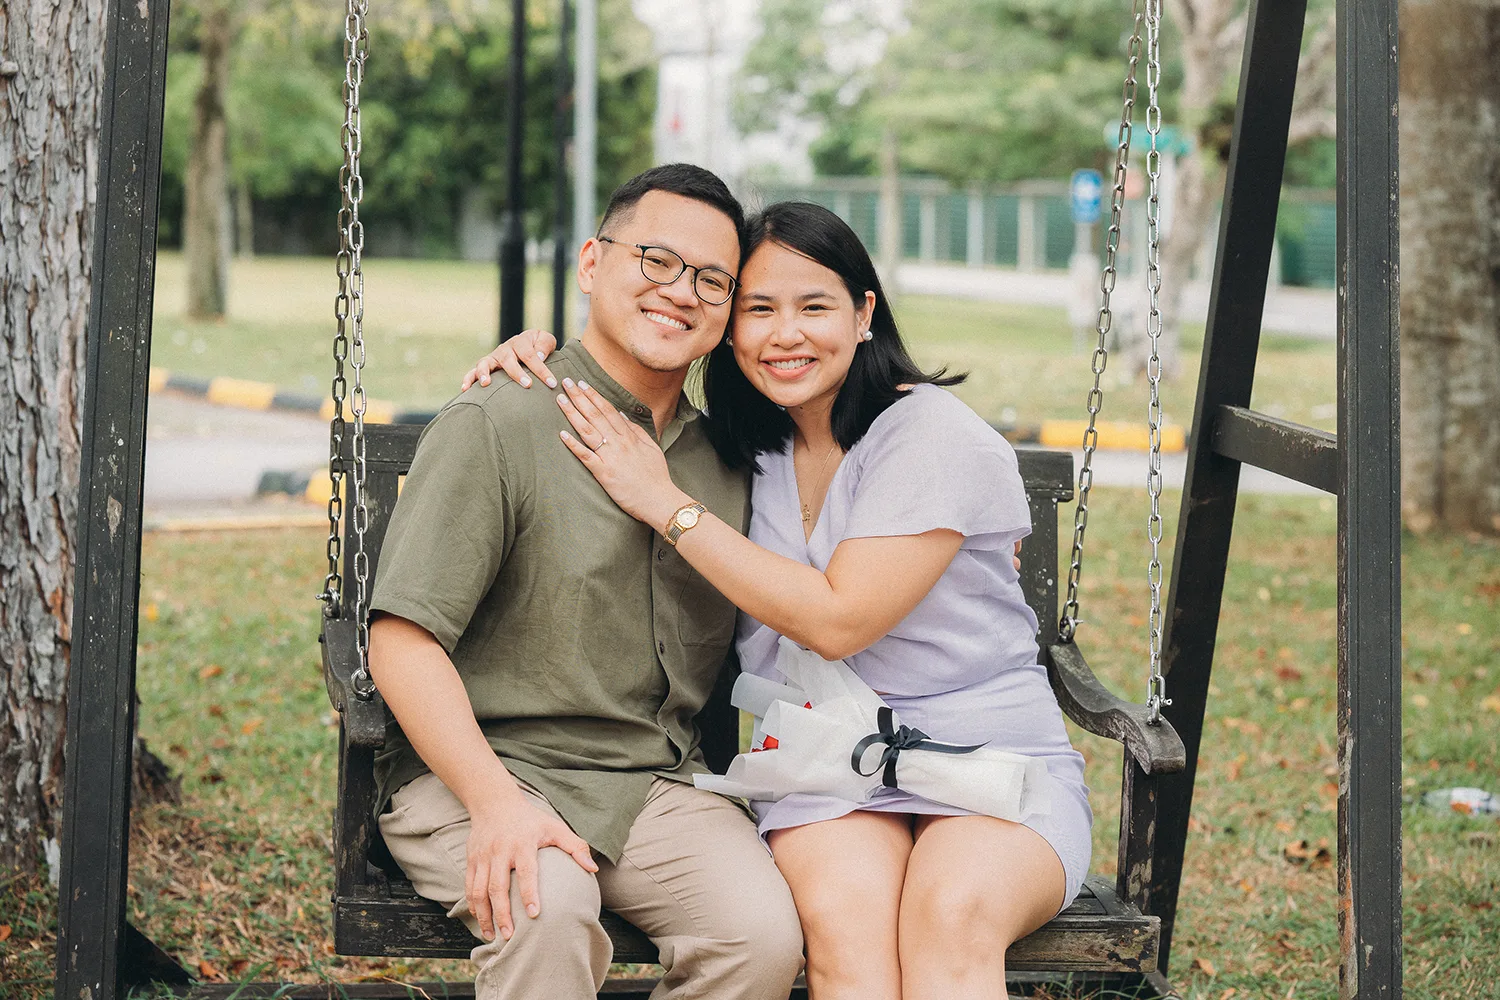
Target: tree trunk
(244,222)
(1450,264)
(205,227)
(50,83)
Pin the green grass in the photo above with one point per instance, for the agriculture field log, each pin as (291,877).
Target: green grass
(426,322)
(237,876)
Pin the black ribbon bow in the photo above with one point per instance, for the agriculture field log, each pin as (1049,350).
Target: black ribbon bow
(897,740)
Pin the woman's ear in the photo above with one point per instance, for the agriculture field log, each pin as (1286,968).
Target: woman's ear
(864,315)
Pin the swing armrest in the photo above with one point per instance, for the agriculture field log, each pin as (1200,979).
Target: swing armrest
(1158,749)
(364,721)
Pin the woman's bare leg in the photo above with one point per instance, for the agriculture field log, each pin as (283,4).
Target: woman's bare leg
(846,876)
(974,884)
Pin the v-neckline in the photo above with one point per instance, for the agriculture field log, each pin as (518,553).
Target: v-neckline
(796,497)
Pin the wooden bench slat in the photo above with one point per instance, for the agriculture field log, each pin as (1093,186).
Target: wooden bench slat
(1083,938)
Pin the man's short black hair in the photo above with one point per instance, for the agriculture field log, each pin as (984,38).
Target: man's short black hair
(675,178)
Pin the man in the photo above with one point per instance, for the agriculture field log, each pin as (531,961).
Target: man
(544,654)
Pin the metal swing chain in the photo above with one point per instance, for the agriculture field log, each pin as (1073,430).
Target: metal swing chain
(1156,692)
(349,310)
(1068,624)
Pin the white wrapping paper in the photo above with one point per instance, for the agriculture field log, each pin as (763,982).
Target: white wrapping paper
(807,730)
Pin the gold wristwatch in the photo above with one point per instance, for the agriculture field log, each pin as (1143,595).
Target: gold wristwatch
(686,517)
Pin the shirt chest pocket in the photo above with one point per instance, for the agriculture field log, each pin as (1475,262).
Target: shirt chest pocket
(705,617)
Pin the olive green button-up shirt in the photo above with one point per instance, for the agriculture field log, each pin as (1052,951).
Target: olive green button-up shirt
(586,643)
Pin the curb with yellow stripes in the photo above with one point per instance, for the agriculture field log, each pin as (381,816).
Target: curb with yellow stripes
(248,395)
(1114,435)
(1117,435)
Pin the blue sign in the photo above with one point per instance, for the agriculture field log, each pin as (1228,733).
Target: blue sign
(1084,192)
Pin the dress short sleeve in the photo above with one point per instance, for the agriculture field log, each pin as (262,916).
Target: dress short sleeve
(930,462)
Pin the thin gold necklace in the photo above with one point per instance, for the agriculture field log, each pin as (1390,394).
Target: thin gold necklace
(806,510)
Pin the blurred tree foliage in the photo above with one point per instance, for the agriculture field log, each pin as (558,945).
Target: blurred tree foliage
(433,104)
(976,90)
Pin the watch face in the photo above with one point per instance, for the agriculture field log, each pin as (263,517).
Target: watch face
(687,518)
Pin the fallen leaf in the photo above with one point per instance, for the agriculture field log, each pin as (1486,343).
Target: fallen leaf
(219,743)
(212,670)
(217,711)
(1204,966)
(1284,826)
(1420,700)
(207,970)
(1491,704)
(1288,673)
(4,932)
(239,967)
(1464,628)
(152,612)
(251,725)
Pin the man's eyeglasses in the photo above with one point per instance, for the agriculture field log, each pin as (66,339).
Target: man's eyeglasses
(712,285)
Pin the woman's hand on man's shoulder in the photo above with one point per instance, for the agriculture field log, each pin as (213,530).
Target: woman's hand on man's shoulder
(519,358)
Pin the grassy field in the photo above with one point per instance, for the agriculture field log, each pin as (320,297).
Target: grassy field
(427,321)
(234,880)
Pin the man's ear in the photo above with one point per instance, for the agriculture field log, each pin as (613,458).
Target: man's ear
(588,259)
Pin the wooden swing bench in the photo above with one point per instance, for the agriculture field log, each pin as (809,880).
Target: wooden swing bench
(1104,936)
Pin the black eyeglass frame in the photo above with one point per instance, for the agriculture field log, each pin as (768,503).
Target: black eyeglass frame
(684,266)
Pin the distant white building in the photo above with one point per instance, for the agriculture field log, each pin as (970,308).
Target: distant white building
(701,45)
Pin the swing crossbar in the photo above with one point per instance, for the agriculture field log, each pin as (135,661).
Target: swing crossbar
(1305,454)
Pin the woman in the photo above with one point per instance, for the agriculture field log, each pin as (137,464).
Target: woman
(884,515)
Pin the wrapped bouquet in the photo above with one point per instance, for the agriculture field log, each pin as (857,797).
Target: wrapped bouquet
(827,733)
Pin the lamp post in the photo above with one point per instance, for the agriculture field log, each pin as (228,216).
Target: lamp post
(560,229)
(512,227)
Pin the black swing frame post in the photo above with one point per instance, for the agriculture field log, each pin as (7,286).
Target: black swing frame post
(1361,465)
(100,956)
(98,952)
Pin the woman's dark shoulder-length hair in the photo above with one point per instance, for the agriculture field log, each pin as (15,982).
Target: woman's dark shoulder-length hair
(743,424)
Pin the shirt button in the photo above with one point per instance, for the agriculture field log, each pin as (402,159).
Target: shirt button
(661,648)
(640,410)
(661,554)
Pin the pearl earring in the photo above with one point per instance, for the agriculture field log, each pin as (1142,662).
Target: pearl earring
(729,341)
(868,335)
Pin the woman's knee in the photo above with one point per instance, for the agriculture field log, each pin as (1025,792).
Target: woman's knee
(957,919)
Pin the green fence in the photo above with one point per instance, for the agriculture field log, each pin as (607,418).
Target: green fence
(1029,226)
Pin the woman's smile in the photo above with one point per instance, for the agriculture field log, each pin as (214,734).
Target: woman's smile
(789,369)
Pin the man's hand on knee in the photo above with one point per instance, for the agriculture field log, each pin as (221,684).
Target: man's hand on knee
(509,837)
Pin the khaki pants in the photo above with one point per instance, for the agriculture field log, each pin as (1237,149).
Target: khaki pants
(693,876)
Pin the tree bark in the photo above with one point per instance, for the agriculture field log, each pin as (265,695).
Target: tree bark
(206,214)
(1450,263)
(50,81)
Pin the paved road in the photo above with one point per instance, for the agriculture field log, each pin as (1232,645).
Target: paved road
(203,459)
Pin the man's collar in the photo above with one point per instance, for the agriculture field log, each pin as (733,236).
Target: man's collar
(617,394)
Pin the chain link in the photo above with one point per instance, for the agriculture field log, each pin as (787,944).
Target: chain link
(1068,625)
(349,349)
(1156,692)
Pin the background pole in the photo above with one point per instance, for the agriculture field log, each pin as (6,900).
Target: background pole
(561,236)
(512,226)
(585,132)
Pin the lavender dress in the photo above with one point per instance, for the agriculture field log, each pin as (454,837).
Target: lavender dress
(962,666)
